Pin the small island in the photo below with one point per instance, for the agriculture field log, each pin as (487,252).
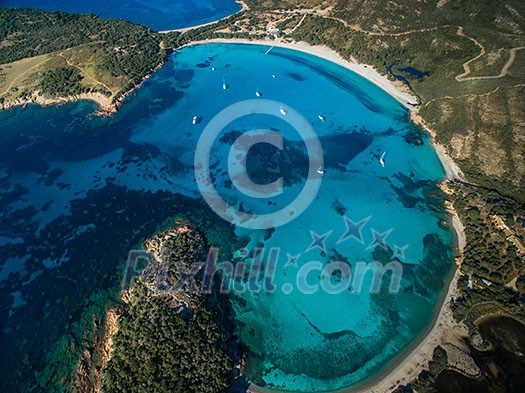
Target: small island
(170,341)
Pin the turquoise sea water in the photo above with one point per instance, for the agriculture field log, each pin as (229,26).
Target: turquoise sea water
(79,191)
(156,14)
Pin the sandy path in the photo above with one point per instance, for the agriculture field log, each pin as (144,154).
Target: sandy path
(394,88)
(84,72)
(26,72)
(466,66)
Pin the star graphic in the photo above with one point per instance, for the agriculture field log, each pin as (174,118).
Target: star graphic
(243,253)
(292,260)
(353,229)
(318,241)
(399,252)
(379,239)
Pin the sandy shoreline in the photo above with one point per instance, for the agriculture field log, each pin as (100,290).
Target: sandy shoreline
(107,105)
(452,170)
(395,89)
(104,102)
(243,5)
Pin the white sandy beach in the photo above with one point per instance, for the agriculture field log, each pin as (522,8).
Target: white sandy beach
(243,5)
(452,170)
(394,88)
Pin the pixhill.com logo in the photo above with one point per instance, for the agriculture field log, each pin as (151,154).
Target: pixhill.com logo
(255,271)
(258,275)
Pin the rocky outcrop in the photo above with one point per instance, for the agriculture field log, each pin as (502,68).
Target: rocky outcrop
(87,374)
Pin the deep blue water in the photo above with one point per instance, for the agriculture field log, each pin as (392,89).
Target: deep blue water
(78,191)
(405,73)
(156,14)
(415,72)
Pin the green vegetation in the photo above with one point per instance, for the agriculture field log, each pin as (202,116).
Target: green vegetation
(263,5)
(169,342)
(472,98)
(175,39)
(77,354)
(425,381)
(176,344)
(111,55)
(28,33)
(158,349)
(60,82)
(476,119)
(490,264)
(439,361)
(488,255)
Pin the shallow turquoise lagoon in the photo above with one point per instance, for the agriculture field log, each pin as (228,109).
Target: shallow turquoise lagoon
(69,177)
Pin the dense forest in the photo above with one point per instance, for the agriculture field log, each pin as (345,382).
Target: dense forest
(61,82)
(164,345)
(170,342)
(489,255)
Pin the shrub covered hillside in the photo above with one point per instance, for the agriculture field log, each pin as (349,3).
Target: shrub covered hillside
(111,55)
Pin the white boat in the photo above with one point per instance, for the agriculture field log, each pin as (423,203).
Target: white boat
(213,68)
(269,50)
(257,92)
(382,159)
(274,76)
(224,85)
(282,110)
(322,118)
(195,120)
(320,170)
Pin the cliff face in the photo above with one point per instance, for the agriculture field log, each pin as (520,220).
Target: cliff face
(88,372)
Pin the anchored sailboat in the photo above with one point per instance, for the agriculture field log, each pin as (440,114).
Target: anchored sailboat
(322,118)
(224,85)
(195,120)
(382,159)
(282,110)
(320,170)
(257,92)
